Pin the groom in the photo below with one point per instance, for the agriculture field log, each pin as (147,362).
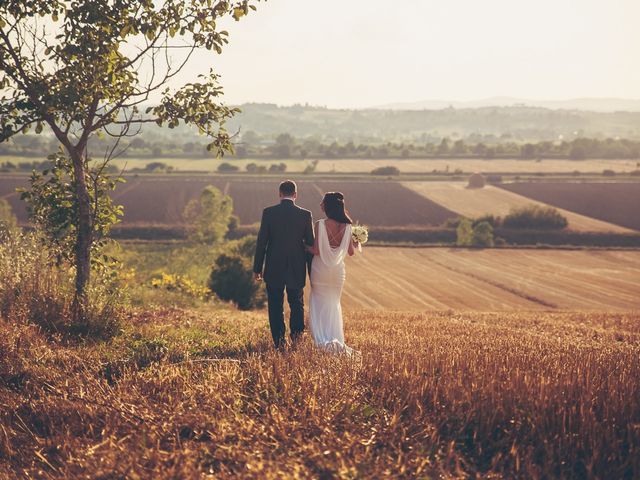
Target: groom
(284,231)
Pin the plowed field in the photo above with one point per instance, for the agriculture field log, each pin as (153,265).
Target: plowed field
(475,202)
(161,200)
(617,203)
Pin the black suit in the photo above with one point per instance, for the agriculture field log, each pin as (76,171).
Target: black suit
(284,231)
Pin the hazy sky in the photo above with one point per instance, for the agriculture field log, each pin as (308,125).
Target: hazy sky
(358,53)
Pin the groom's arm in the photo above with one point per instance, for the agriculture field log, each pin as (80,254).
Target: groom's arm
(309,240)
(308,231)
(261,246)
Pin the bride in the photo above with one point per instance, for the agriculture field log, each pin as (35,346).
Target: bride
(333,242)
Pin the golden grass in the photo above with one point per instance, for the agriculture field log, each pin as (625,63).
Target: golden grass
(490,200)
(197,393)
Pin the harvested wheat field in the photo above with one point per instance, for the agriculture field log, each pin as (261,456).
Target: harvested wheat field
(475,202)
(497,279)
(201,394)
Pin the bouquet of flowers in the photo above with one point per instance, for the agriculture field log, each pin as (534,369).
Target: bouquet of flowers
(360,234)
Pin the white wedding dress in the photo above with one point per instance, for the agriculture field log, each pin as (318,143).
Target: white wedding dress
(327,280)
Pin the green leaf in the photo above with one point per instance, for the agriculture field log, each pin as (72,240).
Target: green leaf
(125,30)
(238,13)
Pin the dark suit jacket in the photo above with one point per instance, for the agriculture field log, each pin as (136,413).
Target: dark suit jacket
(284,231)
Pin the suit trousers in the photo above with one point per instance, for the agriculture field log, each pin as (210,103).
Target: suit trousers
(295,298)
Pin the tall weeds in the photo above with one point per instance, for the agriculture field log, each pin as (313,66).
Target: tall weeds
(35,290)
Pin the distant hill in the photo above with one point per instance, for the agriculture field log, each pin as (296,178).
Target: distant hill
(512,123)
(585,104)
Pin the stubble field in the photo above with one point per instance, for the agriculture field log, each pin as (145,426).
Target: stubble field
(489,280)
(201,394)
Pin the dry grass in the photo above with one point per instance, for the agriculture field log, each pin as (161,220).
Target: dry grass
(531,395)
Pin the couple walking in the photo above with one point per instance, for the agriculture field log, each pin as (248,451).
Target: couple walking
(289,244)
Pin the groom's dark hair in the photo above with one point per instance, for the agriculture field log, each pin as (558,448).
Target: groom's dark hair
(288,188)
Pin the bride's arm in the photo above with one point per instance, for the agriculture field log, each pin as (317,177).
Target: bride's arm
(352,247)
(315,250)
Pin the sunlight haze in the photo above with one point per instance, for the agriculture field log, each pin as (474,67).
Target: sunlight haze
(367,53)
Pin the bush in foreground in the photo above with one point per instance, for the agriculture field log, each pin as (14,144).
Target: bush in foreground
(231,279)
(535,217)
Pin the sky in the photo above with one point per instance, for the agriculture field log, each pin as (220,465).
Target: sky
(362,53)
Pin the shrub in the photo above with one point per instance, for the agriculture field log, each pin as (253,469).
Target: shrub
(244,247)
(226,167)
(476,180)
(231,279)
(494,178)
(464,233)
(608,173)
(390,170)
(535,217)
(181,284)
(492,220)
(311,167)
(482,235)
(278,168)
(234,223)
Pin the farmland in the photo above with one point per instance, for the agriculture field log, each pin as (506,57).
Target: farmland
(617,203)
(201,393)
(422,166)
(490,280)
(476,202)
(160,199)
(466,165)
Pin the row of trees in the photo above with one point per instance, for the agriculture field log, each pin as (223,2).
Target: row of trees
(286,146)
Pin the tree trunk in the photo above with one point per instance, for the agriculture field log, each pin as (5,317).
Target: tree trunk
(85,231)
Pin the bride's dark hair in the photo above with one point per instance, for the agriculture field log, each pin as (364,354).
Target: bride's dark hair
(334,207)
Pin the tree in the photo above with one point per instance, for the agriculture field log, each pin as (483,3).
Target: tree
(283,146)
(443,148)
(208,217)
(73,66)
(464,233)
(482,235)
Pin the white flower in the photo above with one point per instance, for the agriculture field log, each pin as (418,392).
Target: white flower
(360,234)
